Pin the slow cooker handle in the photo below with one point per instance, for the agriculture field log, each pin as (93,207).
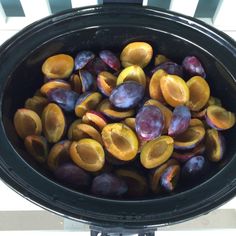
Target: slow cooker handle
(101,231)
(139,2)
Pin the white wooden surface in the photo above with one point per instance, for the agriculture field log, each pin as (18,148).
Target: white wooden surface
(225,15)
(222,220)
(31,9)
(79,3)
(189,8)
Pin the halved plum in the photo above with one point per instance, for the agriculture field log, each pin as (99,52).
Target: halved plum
(59,154)
(27,122)
(95,118)
(96,66)
(159,59)
(73,176)
(71,128)
(53,121)
(108,185)
(87,80)
(51,85)
(64,98)
(36,103)
(157,151)
(196,122)
(58,66)
(215,145)
(130,122)
(127,95)
(194,167)
(193,66)
(214,101)
(87,101)
(149,122)
(132,73)
(167,113)
(174,90)
(180,120)
(169,67)
(88,154)
(155,87)
(83,58)
(106,82)
(170,177)
(137,183)
(136,53)
(199,93)
(37,147)
(185,155)
(106,108)
(110,59)
(81,131)
(191,137)
(199,114)
(219,118)
(120,141)
(156,176)
(76,83)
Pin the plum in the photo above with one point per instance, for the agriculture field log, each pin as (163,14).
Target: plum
(64,98)
(170,177)
(170,68)
(180,120)
(193,167)
(192,66)
(96,66)
(127,95)
(110,59)
(83,58)
(73,176)
(108,185)
(149,122)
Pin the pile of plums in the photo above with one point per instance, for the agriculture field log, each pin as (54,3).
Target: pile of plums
(105,125)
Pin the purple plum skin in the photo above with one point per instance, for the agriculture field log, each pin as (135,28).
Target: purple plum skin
(222,145)
(65,98)
(192,66)
(194,166)
(127,95)
(87,80)
(166,182)
(82,97)
(149,122)
(208,121)
(180,120)
(108,185)
(183,148)
(170,68)
(183,156)
(110,59)
(82,59)
(96,66)
(73,176)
